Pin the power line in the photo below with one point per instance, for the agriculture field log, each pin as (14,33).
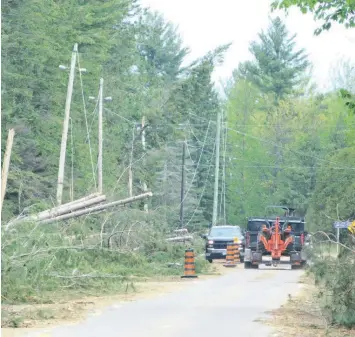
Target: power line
(275,144)
(204,186)
(124,118)
(86,121)
(198,163)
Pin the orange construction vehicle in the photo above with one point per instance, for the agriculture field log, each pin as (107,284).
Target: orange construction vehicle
(274,241)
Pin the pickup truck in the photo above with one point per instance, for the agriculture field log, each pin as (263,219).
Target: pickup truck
(217,240)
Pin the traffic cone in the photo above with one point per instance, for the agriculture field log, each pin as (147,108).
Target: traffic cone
(236,252)
(230,256)
(189,271)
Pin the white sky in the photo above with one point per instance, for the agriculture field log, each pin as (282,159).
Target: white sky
(204,25)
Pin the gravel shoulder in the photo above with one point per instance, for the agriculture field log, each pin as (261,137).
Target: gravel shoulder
(302,317)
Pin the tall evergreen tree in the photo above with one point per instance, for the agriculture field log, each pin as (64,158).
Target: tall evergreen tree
(278,66)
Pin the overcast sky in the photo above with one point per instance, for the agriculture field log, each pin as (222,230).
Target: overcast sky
(207,24)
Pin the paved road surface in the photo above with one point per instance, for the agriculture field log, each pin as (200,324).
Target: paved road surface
(207,308)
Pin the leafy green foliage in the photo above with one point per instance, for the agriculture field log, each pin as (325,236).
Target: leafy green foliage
(349,99)
(335,279)
(334,193)
(340,11)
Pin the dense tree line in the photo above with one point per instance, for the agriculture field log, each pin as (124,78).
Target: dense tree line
(140,56)
(284,139)
(289,145)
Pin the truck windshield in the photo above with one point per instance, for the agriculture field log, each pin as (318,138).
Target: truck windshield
(226,232)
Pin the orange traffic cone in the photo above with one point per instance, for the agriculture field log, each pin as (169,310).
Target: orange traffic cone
(189,264)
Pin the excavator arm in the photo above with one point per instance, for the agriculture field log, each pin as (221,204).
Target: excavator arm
(274,244)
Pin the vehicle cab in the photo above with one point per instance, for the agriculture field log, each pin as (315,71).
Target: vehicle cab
(217,240)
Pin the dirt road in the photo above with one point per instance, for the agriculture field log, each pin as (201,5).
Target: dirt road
(233,302)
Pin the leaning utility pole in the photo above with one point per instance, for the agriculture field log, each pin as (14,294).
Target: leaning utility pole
(63,148)
(6,164)
(99,160)
(143,145)
(182,186)
(216,172)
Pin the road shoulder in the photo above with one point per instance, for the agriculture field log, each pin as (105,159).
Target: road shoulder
(302,317)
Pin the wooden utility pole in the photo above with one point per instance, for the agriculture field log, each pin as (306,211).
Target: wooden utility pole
(225,130)
(143,145)
(130,172)
(63,148)
(99,160)
(182,186)
(216,172)
(6,164)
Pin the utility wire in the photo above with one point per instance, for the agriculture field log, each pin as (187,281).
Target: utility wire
(273,143)
(86,121)
(197,166)
(116,114)
(204,186)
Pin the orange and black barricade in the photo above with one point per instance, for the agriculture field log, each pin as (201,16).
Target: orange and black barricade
(236,252)
(189,264)
(230,255)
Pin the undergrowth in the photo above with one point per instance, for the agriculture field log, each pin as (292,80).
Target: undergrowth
(40,264)
(335,278)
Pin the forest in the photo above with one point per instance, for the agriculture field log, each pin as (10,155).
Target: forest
(282,141)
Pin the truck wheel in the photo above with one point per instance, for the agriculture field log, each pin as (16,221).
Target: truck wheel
(210,260)
(247,265)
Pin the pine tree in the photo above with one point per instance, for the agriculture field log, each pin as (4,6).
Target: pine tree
(278,67)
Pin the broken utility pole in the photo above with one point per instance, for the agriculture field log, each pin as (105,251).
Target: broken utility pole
(97,209)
